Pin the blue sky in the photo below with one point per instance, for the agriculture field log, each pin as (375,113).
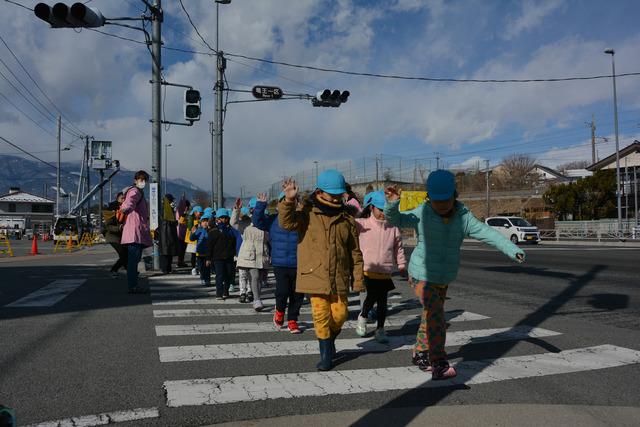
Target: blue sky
(101,83)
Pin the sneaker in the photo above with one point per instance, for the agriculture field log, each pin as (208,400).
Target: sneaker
(278,319)
(257,305)
(194,272)
(443,371)
(381,336)
(232,288)
(361,327)
(421,360)
(220,298)
(243,298)
(250,296)
(202,282)
(114,275)
(372,316)
(293,327)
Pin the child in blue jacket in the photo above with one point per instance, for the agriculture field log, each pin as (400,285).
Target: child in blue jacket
(200,234)
(441,225)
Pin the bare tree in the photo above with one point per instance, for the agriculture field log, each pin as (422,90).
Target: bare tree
(200,198)
(576,164)
(516,171)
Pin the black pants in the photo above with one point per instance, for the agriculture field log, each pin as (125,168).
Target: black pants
(286,292)
(122,257)
(225,275)
(377,293)
(193,260)
(165,263)
(205,272)
(182,247)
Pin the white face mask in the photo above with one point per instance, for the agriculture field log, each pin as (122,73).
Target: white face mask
(141,184)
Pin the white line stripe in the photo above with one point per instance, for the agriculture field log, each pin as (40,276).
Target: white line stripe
(192,353)
(102,419)
(213,391)
(214,301)
(49,295)
(254,327)
(199,312)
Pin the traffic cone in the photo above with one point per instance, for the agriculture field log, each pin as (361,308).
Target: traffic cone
(69,244)
(34,245)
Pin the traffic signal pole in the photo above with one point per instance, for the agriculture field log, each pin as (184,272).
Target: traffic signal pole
(156,126)
(218,118)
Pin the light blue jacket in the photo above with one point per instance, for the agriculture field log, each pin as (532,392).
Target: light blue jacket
(436,258)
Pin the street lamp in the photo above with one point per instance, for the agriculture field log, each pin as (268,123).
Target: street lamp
(166,169)
(615,120)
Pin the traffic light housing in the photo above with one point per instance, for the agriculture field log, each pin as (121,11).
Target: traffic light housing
(192,109)
(328,98)
(63,16)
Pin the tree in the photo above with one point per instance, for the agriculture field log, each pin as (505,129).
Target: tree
(590,198)
(516,171)
(200,198)
(576,164)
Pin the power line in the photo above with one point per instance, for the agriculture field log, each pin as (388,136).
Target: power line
(27,116)
(194,27)
(18,4)
(27,153)
(38,86)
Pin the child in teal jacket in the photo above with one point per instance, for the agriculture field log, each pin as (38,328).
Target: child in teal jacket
(441,225)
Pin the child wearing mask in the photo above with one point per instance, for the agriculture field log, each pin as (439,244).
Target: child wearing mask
(329,257)
(441,224)
(201,235)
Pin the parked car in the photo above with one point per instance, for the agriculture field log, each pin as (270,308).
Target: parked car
(65,226)
(515,228)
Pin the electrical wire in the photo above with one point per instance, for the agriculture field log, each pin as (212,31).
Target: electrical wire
(27,116)
(18,4)
(194,27)
(17,147)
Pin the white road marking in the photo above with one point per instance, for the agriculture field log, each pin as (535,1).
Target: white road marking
(214,391)
(51,294)
(199,312)
(244,328)
(214,301)
(102,419)
(191,353)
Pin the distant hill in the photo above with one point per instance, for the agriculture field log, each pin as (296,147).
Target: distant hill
(39,179)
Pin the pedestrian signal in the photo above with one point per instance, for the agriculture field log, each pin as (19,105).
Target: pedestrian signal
(192,109)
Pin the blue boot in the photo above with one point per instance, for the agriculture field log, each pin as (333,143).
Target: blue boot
(332,338)
(325,355)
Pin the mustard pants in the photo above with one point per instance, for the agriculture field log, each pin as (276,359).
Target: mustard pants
(329,314)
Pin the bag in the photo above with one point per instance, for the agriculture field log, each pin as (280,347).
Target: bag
(121,217)
(191,248)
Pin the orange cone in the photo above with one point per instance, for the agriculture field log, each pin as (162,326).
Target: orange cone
(34,245)
(69,243)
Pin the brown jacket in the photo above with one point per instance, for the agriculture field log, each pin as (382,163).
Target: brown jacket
(329,254)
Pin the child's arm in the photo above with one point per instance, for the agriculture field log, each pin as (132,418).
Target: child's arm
(478,230)
(234,221)
(401,261)
(409,219)
(212,238)
(356,261)
(259,218)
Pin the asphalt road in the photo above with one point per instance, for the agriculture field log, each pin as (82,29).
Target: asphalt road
(99,350)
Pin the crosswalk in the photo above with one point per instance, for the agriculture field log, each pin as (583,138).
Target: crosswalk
(196,332)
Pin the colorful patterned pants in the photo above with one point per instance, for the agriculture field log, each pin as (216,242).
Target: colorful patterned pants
(432,333)
(329,314)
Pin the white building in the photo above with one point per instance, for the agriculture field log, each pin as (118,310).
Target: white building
(21,211)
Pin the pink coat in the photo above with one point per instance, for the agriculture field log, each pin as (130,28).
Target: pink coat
(136,228)
(381,245)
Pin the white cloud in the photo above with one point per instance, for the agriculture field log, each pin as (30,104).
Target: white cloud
(532,15)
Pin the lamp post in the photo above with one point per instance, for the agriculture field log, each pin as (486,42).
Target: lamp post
(166,169)
(615,120)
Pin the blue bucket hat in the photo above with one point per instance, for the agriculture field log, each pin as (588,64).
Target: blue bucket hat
(375,198)
(208,211)
(195,209)
(441,185)
(331,181)
(245,210)
(222,212)
(252,202)
(206,216)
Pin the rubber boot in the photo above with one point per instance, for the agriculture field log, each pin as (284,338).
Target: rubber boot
(325,355)
(332,338)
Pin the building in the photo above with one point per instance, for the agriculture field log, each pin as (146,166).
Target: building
(23,211)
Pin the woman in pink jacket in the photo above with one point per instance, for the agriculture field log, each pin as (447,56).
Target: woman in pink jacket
(135,234)
(381,246)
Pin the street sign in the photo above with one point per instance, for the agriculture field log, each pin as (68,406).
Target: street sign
(267,92)
(101,154)
(153,201)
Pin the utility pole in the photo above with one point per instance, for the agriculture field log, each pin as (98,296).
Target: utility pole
(635,194)
(437,161)
(214,156)
(156,98)
(87,178)
(486,163)
(377,172)
(593,140)
(316,163)
(101,201)
(415,174)
(218,119)
(59,137)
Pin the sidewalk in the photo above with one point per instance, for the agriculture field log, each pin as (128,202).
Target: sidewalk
(521,415)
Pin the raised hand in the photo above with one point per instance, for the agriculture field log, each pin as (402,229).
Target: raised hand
(262,197)
(238,204)
(520,258)
(393,193)
(290,189)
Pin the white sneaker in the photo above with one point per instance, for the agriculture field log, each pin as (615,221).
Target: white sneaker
(232,288)
(381,336)
(194,272)
(361,328)
(257,305)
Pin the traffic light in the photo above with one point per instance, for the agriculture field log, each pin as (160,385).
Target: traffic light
(192,108)
(328,98)
(63,16)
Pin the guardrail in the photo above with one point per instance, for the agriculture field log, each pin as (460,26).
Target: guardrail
(590,235)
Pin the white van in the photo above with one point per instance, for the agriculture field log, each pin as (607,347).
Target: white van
(515,228)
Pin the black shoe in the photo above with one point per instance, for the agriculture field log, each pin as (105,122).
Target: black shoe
(325,355)
(421,360)
(250,296)
(138,290)
(243,298)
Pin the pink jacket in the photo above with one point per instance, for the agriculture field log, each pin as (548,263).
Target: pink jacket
(381,245)
(136,227)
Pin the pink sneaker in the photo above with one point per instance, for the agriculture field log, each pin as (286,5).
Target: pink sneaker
(443,371)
